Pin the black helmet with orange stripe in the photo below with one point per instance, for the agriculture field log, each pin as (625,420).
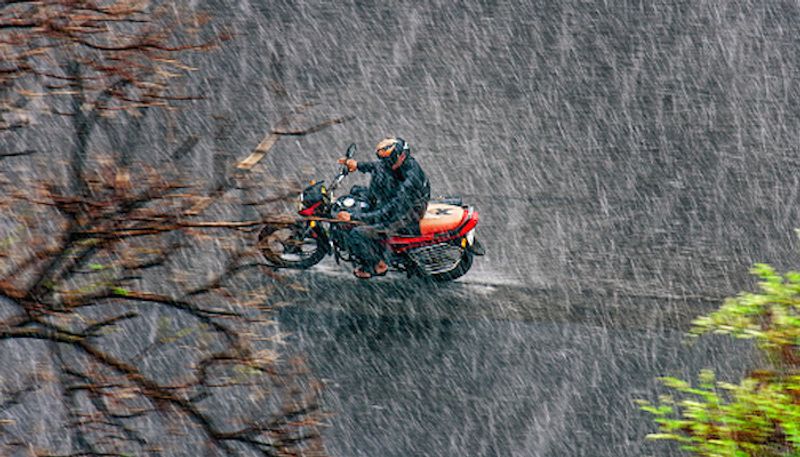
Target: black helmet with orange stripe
(392,151)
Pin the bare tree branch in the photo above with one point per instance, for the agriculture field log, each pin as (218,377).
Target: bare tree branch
(77,292)
(103,274)
(282,130)
(17,154)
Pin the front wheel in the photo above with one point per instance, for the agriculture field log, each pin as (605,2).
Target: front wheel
(291,246)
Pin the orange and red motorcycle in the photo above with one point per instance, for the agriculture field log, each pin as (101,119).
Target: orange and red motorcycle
(442,251)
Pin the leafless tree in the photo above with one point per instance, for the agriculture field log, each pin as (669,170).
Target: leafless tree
(92,274)
(93,59)
(139,305)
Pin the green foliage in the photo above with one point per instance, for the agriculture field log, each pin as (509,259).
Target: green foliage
(760,416)
(771,317)
(120,291)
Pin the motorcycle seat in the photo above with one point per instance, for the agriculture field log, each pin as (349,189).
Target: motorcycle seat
(441,217)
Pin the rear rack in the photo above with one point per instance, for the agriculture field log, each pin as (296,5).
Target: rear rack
(457,201)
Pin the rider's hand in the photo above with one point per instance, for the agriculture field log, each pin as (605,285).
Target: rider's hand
(343,216)
(351,164)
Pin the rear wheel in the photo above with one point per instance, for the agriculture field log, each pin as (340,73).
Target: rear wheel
(460,270)
(291,246)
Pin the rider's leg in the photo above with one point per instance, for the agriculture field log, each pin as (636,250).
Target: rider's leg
(365,245)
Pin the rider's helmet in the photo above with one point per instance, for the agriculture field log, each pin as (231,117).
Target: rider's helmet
(392,151)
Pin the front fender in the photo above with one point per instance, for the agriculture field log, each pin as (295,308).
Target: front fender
(322,235)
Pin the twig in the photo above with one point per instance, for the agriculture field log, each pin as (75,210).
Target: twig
(17,154)
(269,141)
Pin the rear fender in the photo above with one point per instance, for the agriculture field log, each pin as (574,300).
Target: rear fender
(404,243)
(457,201)
(476,247)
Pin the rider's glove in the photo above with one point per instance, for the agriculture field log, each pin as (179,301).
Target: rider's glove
(351,164)
(343,216)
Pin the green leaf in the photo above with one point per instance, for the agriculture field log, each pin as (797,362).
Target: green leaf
(661,436)
(120,291)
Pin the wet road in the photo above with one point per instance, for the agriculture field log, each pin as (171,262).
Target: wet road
(470,368)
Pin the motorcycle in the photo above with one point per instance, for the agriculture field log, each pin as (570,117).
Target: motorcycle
(442,251)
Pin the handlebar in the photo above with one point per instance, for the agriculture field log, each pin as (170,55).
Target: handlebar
(351,151)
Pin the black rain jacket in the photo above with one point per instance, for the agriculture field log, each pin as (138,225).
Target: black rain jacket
(399,195)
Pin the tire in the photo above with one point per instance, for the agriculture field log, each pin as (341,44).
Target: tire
(463,267)
(282,247)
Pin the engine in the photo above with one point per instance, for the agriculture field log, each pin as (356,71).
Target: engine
(438,258)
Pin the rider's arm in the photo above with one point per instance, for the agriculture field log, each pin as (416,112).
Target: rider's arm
(399,205)
(367,167)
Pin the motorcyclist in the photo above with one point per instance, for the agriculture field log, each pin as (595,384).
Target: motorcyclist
(399,192)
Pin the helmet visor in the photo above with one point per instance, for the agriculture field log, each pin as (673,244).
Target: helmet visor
(385,152)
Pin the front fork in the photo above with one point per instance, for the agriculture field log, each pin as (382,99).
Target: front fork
(315,230)
(336,240)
